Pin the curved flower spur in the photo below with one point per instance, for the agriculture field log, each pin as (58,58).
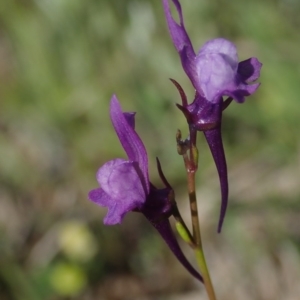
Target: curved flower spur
(214,72)
(125,185)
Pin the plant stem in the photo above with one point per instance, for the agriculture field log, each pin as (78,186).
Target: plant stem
(191,169)
(191,165)
(194,209)
(197,237)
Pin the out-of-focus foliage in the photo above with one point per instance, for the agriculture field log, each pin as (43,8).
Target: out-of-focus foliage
(60,62)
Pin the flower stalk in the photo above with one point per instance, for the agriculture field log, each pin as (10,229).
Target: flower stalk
(191,164)
(199,252)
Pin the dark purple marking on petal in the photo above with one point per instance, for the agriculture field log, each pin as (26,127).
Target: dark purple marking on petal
(214,140)
(182,43)
(130,140)
(249,70)
(164,228)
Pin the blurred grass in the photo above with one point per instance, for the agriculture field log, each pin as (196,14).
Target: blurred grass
(60,62)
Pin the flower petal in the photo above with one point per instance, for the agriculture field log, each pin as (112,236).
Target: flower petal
(116,211)
(129,139)
(99,197)
(214,140)
(120,180)
(249,70)
(115,214)
(217,64)
(221,46)
(239,93)
(182,43)
(130,117)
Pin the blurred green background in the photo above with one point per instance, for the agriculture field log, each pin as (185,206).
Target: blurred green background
(60,62)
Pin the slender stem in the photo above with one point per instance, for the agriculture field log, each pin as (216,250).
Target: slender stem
(205,273)
(191,170)
(191,166)
(197,237)
(194,208)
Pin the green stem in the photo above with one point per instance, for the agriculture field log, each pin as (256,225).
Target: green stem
(191,165)
(197,237)
(191,170)
(194,208)
(205,273)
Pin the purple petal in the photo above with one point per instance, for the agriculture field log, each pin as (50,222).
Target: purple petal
(121,190)
(214,140)
(116,211)
(182,43)
(164,228)
(115,215)
(249,70)
(239,93)
(217,64)
(129,139)
(220,46)
(130,117)
(119,179)
(99,197)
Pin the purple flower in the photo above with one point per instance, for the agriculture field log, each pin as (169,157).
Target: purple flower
(125,185)
(214,72)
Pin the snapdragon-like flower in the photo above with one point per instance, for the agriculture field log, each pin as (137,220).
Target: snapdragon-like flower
(125,186)
(214,72)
